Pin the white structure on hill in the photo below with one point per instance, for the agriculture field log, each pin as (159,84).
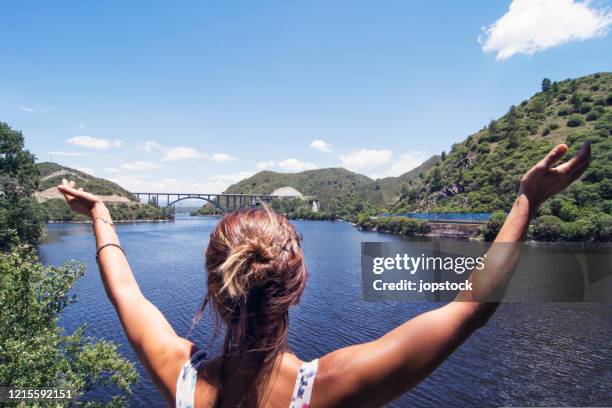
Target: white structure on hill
(287,192)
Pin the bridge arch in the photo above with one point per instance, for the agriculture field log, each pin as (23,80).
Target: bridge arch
(216,204)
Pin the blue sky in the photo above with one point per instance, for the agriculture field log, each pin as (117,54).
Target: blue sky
(168,96)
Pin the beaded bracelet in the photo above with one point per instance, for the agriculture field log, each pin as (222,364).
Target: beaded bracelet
(107,245)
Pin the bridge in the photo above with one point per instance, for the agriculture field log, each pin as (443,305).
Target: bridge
(224,202)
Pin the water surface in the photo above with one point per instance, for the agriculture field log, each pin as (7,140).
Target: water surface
(528,355)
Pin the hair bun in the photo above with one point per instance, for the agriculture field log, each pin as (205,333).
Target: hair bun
(247,267)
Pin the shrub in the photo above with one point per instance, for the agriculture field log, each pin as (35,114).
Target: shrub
(579,230)
(575,121)
(563,111)
(547,228)
(586,108)
(593,115)
(34,349)
(568,212)
(493,225)
(546,131)
(553,126)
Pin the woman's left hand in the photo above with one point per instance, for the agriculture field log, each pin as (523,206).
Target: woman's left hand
(81,201)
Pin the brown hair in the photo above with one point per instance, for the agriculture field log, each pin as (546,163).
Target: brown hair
(256,272)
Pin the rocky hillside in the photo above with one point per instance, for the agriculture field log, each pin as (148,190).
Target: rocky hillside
(123,205)
(482,173)
(51,174)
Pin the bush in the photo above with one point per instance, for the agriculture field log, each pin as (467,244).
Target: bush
(593,115)
(553,126)
(493,225)
(586,108)
(575,121)
(563,111)
(34,350)
(578,231)
(547,228)
(568,212)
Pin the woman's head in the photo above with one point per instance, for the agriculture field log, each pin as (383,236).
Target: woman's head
(256,271)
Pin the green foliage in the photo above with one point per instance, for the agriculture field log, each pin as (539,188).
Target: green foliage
(298,209)
(51,174)
(493,225)
(563,111)
(394,225)
(21,218)
(546,84)
(56,209)
(575,121)
(35,352)
(547,228)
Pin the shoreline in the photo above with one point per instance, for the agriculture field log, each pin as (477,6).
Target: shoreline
(114,221)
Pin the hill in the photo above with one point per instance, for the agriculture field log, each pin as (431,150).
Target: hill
(483,172)
(51,174)
(123,205)
(391,187)
(339,191)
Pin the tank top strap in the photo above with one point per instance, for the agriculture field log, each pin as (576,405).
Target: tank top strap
(302,392)
(187,379)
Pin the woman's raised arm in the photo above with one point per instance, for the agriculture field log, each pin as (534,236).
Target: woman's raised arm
(378,372)
(158,347)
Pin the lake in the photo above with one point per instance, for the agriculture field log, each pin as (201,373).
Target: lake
(528,354)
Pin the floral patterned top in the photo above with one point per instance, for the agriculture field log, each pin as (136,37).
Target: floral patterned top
(186,383)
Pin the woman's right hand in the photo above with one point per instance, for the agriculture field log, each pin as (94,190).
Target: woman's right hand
(81,201)
(544,181)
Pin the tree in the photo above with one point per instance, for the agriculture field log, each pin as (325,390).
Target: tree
(34,351)
(493,225)
(21,218)
(436,179)
(443,156)
(576,102)
(546,84)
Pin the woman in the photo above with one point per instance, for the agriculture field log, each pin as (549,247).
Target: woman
(255,273)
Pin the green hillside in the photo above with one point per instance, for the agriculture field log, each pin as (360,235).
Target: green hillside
(339,191)
(392,187)
(51,174)
(123,205)
(483,172)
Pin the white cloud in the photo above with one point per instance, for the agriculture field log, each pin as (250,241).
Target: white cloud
(94,143)
(139,165)
(87,170)
(73,154)
(136,183)
(150,146)
(81,125)
(365,159)
(296,165)
(111,170)
(231,178)
(532,26)
(321,145)
(222,157)
(407,162)
(265,165)
(27,109)
(183,153)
